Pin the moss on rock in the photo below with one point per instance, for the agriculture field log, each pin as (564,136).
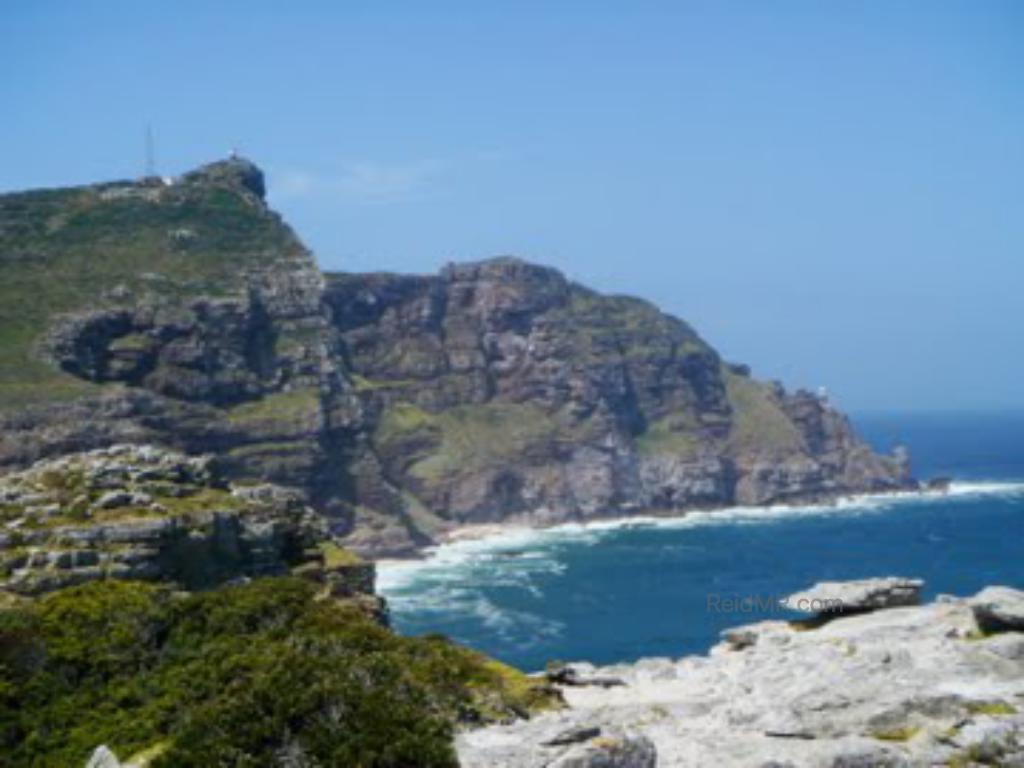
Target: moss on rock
(759,424)
(672,435)
(277,412)
(476,437)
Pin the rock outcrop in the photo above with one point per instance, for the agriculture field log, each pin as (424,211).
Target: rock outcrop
(187,314)
(501,389)
(829,598)
(146,513)
(998,609)
(903,687)
(182,314)
(102,757)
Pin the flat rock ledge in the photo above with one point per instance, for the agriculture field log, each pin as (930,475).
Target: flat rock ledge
(908,686)
(835,597)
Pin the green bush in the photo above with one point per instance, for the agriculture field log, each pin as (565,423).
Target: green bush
(249,675)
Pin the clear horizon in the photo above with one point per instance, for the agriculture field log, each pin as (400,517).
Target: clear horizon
(830,195)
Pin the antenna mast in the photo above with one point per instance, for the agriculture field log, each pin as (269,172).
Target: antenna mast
(150,153)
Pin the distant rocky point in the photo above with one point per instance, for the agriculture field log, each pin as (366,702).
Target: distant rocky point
(188,315)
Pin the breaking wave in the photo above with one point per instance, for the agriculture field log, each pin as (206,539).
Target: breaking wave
(513,555)
(530,594)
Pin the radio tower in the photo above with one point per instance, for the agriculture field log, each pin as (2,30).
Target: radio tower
(150,153)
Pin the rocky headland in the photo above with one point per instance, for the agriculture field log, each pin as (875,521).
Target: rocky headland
(186,314)
(201,433)
(883,683)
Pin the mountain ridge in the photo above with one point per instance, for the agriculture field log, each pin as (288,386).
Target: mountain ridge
(187,313)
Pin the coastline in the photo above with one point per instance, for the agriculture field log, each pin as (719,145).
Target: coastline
(895,685)
(486,536)
(615,590)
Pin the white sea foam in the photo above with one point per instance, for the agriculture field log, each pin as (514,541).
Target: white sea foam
(516,555)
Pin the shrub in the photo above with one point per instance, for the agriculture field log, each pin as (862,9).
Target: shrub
(256,674)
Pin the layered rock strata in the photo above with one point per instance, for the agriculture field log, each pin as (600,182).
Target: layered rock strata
(142,512)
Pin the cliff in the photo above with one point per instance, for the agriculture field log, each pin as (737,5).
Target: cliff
(501,389)
(143,513)
(188,315)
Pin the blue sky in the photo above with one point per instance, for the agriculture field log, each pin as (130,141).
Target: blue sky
(829,191)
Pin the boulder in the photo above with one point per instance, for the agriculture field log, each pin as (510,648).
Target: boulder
(999,609)
(626,751)
(939,484)
(739,638)
(102,757)
(860,596)
(992,741)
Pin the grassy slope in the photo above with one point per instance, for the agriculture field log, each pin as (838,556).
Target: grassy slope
(281,409)
(670,435)
(608,326)
(464,439)
(64,250)
(759,425)
(604,324)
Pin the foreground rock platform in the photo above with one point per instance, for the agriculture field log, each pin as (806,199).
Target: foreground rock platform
(900,687)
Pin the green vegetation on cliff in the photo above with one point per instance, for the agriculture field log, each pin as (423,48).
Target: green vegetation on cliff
(281,409)
(606,326)
(474,437)
(466,438)
(236,676)
(673,435)
(97,488)
(89,248)
(759,425)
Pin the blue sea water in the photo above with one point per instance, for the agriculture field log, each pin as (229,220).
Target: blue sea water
(612,592)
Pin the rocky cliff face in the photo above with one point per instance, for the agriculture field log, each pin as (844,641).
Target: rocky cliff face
(184,314)
(189,315)
(500,389)
(143,513)
(146,513)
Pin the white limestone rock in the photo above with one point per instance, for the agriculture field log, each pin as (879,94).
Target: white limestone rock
(102,757)
(999,609)
(836,597)
(907,686)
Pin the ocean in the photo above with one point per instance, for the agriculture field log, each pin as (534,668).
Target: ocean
(617,591)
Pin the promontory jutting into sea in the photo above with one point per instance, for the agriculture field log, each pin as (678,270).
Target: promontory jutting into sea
(212,452)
